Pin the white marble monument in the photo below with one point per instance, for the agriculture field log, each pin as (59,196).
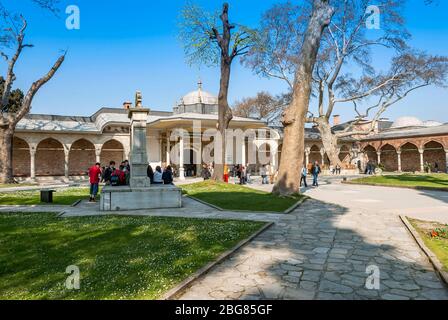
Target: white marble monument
(140,194)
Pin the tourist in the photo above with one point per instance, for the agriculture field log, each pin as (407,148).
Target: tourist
(304,176)
(263,175)
(332,169)
(107,173)
(248,174)
(167,176)
(242,174)
(338,169)
(116,177)
(158,175)
(205,174)
(127,165)
(436,167)
(150,173)
(315,171)
(226,174)
(95,176)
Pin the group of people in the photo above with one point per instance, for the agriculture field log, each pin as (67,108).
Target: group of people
(313,169)
(160,176)
(109,175)
(336,170)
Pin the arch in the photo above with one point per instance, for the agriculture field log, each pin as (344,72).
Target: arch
(21,158)
(50,158)
(81,157)
(434,154)
(315,154)
(344,155)
(264,153)
(112,150)
(370,153)
(389,157)
(410,157)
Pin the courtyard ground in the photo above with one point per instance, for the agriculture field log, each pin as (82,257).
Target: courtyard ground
(118,257)
(66,196)
(323,248)
(438,181)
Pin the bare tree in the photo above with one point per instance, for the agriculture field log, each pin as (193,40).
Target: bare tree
(208,42)
(11,114)
(345,49)
(294,117)
(260,107)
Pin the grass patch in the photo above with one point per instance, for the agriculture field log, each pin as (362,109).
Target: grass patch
(435,237)
(119,257)
(60,197)
(408,180)
(236,197)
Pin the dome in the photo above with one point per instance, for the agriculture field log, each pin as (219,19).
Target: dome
(407,122)
(432,123)
(199,96)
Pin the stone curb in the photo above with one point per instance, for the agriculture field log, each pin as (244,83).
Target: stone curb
(432,257)
(177,291)
(400,187)
(76,203)
(287,211)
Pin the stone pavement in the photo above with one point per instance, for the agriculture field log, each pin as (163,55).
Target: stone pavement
(322,250)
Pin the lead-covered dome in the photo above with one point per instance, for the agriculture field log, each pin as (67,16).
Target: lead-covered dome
(199,96)
(403,122)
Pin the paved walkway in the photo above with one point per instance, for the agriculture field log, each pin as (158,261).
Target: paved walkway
(323,249)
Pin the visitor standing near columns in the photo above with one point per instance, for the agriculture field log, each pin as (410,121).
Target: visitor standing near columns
(316,170)
(303,177)
(95,176)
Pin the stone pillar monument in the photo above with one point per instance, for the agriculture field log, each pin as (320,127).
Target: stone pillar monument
(139,155)
(139,194)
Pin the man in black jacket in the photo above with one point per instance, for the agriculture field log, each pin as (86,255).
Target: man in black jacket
(108,173)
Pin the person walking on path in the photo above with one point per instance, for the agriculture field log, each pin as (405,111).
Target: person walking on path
(315,171)
(303,177)
(206,175)
(263,175)
(95,177)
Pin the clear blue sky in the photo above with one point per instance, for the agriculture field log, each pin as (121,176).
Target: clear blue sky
(130,45)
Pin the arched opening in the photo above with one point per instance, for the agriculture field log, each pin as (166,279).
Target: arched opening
(389,158)
(370,155)
(81,157)
(434,154)
(410,158)
(21,159)
(112,150)
(344,155)
(50,158)
(315,154)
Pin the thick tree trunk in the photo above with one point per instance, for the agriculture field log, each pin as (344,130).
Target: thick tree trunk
(6,138)
(294,117)
(224,117)
(329,140)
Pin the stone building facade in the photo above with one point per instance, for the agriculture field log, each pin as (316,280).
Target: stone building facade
(66,146)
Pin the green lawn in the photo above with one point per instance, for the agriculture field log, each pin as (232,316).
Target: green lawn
(17,185)
(408,180)
(119,257)
(438,245)
(237,197)
(60,197)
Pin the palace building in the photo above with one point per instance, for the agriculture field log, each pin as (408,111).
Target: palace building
(49,146)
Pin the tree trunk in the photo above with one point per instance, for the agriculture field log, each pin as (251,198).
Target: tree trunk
(294,117)
(6,138)
(224,117)
(329,140)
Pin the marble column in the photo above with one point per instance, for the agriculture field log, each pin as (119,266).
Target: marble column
(181,158)
(322,153)
(98,156)
(422,161)
(379,157)
(243,151)
(307,156)
(168,148)
(399,160)
(33,163)
(66,162)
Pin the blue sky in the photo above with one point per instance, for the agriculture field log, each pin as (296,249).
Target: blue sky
(133,45)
